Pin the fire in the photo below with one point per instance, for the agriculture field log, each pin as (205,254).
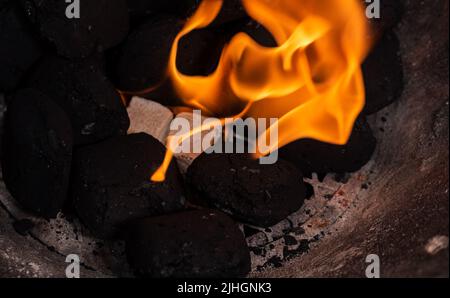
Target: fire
(311,82)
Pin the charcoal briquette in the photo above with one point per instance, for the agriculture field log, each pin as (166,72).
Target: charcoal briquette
(3,3)
(239,185)
(19,49)
(199,51)
(80,87)
(196,52)
(111,183)
(383,74)
(251,27)
(141,9)
(37,152)
(143,58)
(101,24)
(312,156)
(191,244)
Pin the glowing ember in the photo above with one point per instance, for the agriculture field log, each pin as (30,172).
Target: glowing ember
(311,81)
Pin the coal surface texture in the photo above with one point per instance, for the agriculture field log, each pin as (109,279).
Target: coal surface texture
(143,60)
(83,91)
(145,8)
(312,156)
(383,74)
(140,9)
(37,152)
(190,244)
(111,183)
(251,192)
(3,3)
(199,51)
(251,27)
(102,24)
(19,49)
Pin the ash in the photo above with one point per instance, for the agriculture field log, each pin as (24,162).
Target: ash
(321,215)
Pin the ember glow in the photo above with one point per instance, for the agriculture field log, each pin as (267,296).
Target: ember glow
(311,82)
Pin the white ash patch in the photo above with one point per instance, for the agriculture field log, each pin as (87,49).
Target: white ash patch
(67,236)
(317,218)
(149,117)
(184,160)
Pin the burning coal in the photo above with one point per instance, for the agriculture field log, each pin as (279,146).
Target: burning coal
(311,81)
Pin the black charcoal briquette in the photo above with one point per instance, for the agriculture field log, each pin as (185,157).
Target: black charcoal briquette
(111,183)
(101,24)
(239,185)
(312,156)
(37,152)
(83,91)
(191,244)
(19,49)
(383,74)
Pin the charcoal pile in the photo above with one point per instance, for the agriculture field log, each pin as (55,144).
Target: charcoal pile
(67,149)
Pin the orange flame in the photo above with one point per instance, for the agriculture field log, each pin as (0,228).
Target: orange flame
(311,81)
